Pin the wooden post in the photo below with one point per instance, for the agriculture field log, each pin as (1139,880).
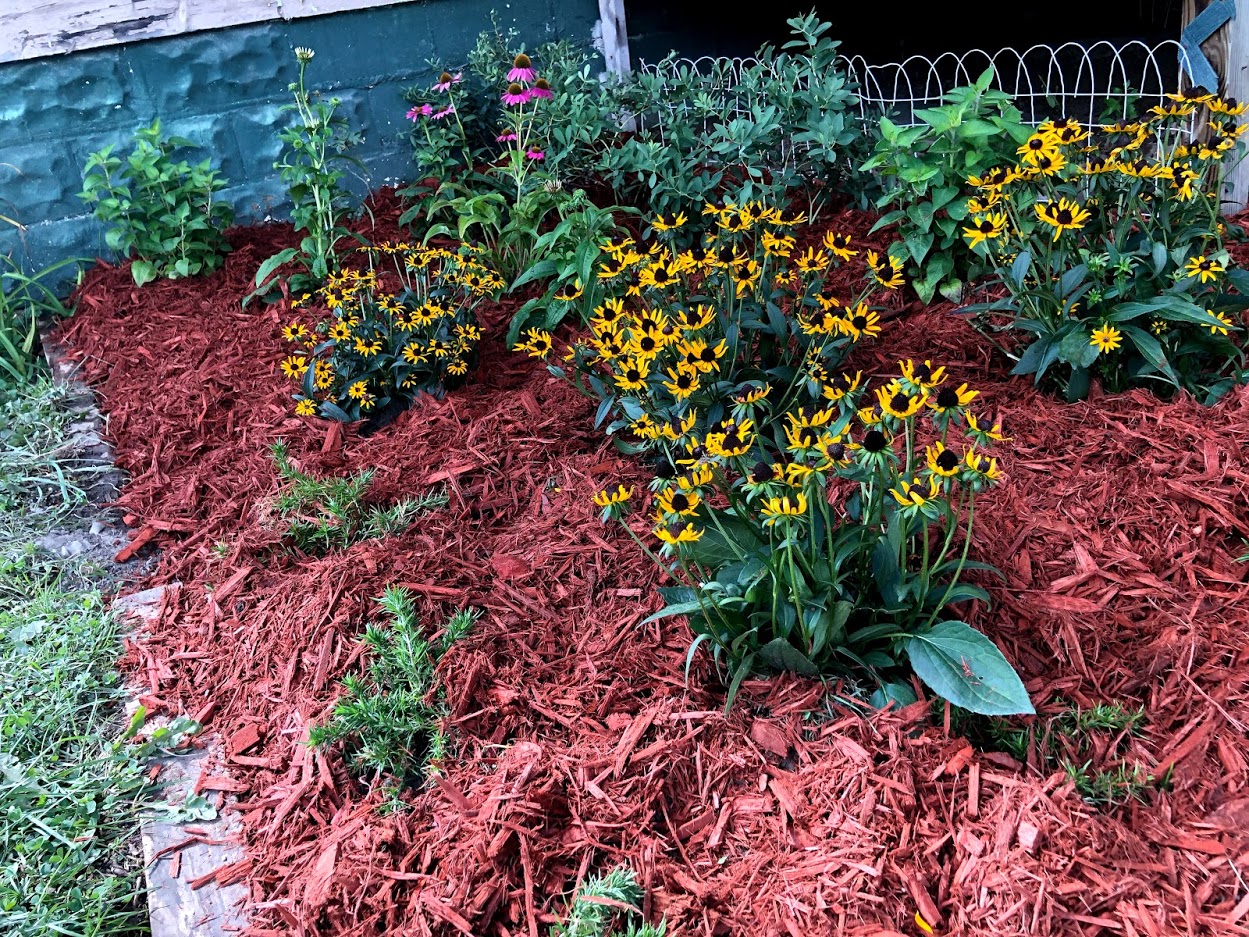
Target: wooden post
(615,36)
(1228,53)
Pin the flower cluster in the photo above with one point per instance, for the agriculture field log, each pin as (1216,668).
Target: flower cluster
(1096,228)
(741,324)
(831,535)
(403,325)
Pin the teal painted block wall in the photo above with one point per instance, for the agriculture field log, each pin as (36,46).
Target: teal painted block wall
(223,90)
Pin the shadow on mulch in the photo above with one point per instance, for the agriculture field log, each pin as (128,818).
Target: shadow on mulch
(578,745)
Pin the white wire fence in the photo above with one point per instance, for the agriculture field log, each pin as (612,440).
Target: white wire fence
(1085,82)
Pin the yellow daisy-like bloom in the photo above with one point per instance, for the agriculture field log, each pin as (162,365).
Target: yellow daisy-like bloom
(812,261)
(294,366)
(633,373)
(910,494)
(886,271)
(296,332)
(569,291)
(952,398)
(1106,337)
(984,466)
(861,322)
(942,461)
(981,434)
(842,385)
(993,179)
(537,343)
(732,441)
(1230,108)
(775,246)
(322,374)
(838,245)
(414,353)
(1038,145)
(1222,317)
(340,331)
(700,355)
(697,477)
(679,501)
(985,228)
(922,375)
(1206,268)
(696,317)
(605,499)
(1098,165)
(687,534)
(897,402)
(751,394)
(659,275)
(776,510)
(1159,327)
(306,407)
(669,222)
(458,367)
(979,204)
(1063,215)
(646,428)
(677,431)
(819,321)
(369,348)
(682,381)
(358,390)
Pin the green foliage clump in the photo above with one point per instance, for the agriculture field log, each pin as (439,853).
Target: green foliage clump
(388,720)
(325,514)
(159,210)
(924,170)
(24,299)
(1110,247)
(589,917)
(312,166)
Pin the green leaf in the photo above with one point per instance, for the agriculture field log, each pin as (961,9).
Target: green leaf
(266,269)
(1076,349)
(1150,349)
(781,655)
(897,694)
(963,666)
(143,271)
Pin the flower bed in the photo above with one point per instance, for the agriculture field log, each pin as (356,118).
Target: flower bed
(577,743)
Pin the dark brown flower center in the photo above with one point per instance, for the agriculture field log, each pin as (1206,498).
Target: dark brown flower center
(947,461)
(874,440)
(947,398)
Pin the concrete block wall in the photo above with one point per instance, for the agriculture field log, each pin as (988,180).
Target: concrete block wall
(224,89)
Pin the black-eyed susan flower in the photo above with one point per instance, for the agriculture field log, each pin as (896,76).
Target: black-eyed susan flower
(842,386)
(675,536)
(985,228)
(537,343)
(730,440)
(1205,267)
(987,201)
(632,374)
(1222,317)
(1041,143)
(949,399)
(887,271)
(414,353)
(992,179)
(294,366)
(838,245)
(608,498)
(922,375)
(306,407)
(981,470)
(984,435)
(296,332)
(1106,337)
(899,403)
(750,394)
(1062,215)
(942,461)
(682,381)
(659,275)
(914,494)
(367,348)
(698,354)
(339,331)
(669,222)
(322,374)
(678,501)
(569,291)
(783,509)
(358,390)
(861,322)
(458,367)
(778,246)
(812,261)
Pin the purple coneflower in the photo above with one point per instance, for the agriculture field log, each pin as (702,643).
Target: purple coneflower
(522,69)
(446,80)
(535,154)
(423,110)
(505,138)
(515,94)
(445,112)
(541,89)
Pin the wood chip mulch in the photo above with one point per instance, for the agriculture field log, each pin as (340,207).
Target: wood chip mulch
(578,745)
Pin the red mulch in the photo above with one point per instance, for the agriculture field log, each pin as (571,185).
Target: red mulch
(578,745)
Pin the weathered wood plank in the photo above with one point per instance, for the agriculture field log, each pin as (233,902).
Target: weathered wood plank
(49,27)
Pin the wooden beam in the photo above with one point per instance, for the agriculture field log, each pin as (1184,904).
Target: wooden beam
(1228,53)
(615,36)
(51,27)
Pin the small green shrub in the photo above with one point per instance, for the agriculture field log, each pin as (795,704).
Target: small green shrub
(24,298)
(312,165)
(1109,245)
(588,917)
(924,169)
(388,720)
(325,514)
(160,211)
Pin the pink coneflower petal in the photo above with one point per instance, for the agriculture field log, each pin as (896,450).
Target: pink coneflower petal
(541,89)
(505,138)
(515,95)
(420,110)
(446,80)
(445,112)
(535,155)
(522,69)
